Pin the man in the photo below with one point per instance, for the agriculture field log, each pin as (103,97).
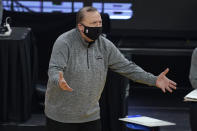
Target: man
(193,80)
(77,75)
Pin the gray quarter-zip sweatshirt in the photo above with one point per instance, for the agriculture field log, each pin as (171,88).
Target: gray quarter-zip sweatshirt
(193,69)
(85,69)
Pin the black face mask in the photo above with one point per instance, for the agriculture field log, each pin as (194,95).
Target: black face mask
(92,32)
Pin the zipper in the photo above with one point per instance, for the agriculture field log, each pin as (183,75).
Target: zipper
(87,55)
(87,59)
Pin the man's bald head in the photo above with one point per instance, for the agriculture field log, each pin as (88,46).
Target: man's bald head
(81,13)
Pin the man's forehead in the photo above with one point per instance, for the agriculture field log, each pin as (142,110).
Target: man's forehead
(91,16)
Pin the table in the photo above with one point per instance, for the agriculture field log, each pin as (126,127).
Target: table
(17,73)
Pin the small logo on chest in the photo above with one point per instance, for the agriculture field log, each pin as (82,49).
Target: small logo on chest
(99,57)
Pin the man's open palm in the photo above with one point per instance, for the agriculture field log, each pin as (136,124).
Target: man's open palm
(164,83)
(62,83)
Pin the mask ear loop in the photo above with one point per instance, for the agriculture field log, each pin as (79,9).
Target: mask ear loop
(85,28)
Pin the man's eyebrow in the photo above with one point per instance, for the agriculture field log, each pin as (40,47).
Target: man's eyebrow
(93,22)
(96,21)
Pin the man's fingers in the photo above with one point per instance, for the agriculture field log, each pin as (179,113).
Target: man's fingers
(69,89)
(169,89)
(61,75)
(173,83)
(163,89)
(65,86)
(166,71)
(172,86)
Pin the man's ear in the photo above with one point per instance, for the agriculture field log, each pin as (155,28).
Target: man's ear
(80,27)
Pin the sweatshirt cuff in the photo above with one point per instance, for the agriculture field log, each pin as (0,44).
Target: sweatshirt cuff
(153,81)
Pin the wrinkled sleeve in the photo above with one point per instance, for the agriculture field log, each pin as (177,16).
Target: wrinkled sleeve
(58,61)
(118,63)
(193,69)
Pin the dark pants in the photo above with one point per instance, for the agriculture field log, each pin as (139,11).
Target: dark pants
(193,116)
(52,125)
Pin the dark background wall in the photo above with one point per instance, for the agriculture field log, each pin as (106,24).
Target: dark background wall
(161,15)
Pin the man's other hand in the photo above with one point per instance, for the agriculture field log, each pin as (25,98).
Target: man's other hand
(164,83)
(62,83)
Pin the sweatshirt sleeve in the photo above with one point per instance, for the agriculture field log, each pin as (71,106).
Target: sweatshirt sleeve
(193,69)
(118,63)
(58,61)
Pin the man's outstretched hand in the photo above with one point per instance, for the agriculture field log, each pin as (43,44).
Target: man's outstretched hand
(62,83)
(164,83)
